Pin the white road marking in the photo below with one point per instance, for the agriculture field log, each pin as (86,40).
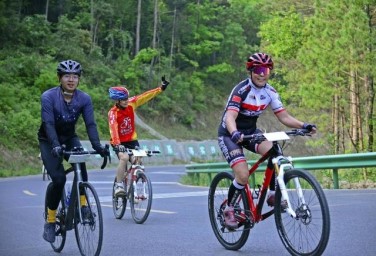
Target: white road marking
(27,192)
(152,210)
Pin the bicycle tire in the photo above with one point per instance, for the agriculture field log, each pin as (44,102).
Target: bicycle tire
(60,232)
(141,206)
(119,203)
(89,231)
(308,233)
(217,200)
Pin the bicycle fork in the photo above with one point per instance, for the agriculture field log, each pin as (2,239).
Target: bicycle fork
(280,172)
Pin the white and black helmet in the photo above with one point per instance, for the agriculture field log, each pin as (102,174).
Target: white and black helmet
(69,67)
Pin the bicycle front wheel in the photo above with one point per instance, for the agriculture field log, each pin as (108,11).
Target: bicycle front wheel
(60,232)
(308,233)
(89,230)
(119,203)
(140,198)
(231,239)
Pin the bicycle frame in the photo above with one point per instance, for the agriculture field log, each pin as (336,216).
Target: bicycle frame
(76,161)
(136,166)
(275,158)
(137,186)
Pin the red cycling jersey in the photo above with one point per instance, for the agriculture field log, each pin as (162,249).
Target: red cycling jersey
(122,121)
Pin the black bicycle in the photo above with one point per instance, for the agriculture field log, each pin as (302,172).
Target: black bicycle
(74,212)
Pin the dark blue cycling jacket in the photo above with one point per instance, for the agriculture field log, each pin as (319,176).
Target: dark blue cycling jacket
(59,118)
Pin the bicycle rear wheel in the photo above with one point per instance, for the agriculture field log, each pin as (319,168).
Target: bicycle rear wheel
(141,198)
(308,233)
(89,231)
(119,203)
(44,173)
(60,232)
(231,239)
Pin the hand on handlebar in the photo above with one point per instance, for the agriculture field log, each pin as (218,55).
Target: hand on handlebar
(310,127)
(119,148)
(57,151)
(102,150)
(237,137)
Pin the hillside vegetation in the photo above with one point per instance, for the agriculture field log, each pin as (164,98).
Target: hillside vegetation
(324,53)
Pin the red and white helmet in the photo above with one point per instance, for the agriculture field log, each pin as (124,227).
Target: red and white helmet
(259,59)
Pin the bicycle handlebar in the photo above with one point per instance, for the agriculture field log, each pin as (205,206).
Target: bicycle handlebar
(259,137)
(149,153)
(76,151)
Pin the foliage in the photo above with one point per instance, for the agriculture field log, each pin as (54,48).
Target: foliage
(319,47)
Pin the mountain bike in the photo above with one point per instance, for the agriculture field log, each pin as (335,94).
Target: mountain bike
(300,208)
(138,188)
(86,218)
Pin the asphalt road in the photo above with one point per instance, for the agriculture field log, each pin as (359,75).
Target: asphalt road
(178,223)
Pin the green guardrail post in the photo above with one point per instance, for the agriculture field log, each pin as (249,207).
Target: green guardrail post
(335,178)
(253,180)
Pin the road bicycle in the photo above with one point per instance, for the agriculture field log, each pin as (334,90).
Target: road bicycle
(137,186)
(301,211)
(84,216)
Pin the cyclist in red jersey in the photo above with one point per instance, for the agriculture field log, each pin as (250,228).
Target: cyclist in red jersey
(121,120)
(246,103)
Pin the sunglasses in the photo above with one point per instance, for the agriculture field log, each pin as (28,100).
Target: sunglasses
(258,70)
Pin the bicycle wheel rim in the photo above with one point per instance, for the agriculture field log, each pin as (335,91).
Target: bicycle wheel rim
(230,239)
(308,234)
(119,203)
(141,199)
(89,232)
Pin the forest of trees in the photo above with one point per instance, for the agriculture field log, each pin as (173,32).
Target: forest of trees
(324,54)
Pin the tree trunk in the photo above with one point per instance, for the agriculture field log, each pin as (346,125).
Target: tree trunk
(369,85)
(353,111)
(370,105)
(92,27)
(138,28)
(172,39)
(336,124)
(154,43)
(47,4)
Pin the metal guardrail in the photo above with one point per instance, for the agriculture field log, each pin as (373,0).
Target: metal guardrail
(334,162)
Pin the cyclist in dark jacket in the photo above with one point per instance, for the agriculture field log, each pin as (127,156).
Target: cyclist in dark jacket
(61,107)
(247,101)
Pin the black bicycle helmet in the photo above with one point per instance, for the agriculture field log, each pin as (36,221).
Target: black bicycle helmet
(69,67)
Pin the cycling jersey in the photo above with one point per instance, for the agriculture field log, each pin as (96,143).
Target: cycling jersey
(59,117)
(250,102)
(122,121)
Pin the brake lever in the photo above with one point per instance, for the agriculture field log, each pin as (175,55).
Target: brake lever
(105,157)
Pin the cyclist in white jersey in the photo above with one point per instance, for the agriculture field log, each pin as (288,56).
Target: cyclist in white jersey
(247,101)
